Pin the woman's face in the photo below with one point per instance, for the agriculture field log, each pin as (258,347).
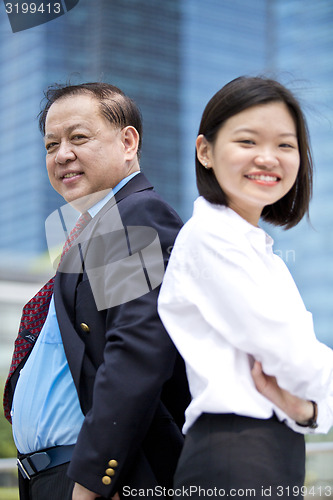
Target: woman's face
(255,158)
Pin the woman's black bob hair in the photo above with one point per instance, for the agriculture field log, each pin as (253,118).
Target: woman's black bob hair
(238,95)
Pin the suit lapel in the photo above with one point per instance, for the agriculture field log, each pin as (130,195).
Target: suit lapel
(70,272)
(136,184)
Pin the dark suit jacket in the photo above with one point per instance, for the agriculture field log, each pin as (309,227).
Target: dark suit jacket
(130,380)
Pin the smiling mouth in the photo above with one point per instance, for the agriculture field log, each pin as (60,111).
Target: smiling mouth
(264,178)
(71,175)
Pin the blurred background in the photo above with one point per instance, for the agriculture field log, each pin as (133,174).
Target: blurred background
(170,56)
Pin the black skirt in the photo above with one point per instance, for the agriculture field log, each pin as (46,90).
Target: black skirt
(227,455)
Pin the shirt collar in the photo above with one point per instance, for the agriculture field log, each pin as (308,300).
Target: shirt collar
(258,238)
(100,204)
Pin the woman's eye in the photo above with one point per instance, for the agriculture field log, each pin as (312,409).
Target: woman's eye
(285,145)
(247,141)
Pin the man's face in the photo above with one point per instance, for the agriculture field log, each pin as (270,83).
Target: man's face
(85,152)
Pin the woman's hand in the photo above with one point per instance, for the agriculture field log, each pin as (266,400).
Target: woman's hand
(300,410)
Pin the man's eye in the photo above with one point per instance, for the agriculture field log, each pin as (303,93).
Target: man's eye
(78,137)
(50,145)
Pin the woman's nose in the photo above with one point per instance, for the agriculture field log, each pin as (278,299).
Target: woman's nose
(266,159)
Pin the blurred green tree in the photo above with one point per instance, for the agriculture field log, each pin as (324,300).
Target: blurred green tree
(7,446)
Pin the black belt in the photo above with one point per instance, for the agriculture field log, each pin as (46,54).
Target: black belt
(32,464)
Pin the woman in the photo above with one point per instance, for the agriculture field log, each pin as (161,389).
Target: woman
(231,306)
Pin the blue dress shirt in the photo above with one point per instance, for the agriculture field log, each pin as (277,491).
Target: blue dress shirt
(46,410)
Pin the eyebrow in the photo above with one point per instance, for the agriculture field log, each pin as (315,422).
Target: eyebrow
(252,131)
(68,129)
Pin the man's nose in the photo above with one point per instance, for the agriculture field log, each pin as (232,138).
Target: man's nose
(65,153)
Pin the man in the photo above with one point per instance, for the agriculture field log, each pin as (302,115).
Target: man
(98,407)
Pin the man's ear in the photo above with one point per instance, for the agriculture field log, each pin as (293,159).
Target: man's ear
(203,150)
(130,138)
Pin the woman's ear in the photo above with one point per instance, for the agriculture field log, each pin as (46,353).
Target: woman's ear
(203,150)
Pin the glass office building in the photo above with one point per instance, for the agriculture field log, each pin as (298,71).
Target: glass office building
(303,41)
(170,57)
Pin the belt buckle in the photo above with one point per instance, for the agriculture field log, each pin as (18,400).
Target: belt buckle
(22,469)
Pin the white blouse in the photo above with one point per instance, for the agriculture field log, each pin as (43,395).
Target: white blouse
(226,300)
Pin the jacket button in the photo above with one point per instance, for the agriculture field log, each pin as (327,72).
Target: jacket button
(113,463)
(110,472)
(85,328)
(106,480)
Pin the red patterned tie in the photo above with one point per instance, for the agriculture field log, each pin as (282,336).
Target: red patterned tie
(34,314)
